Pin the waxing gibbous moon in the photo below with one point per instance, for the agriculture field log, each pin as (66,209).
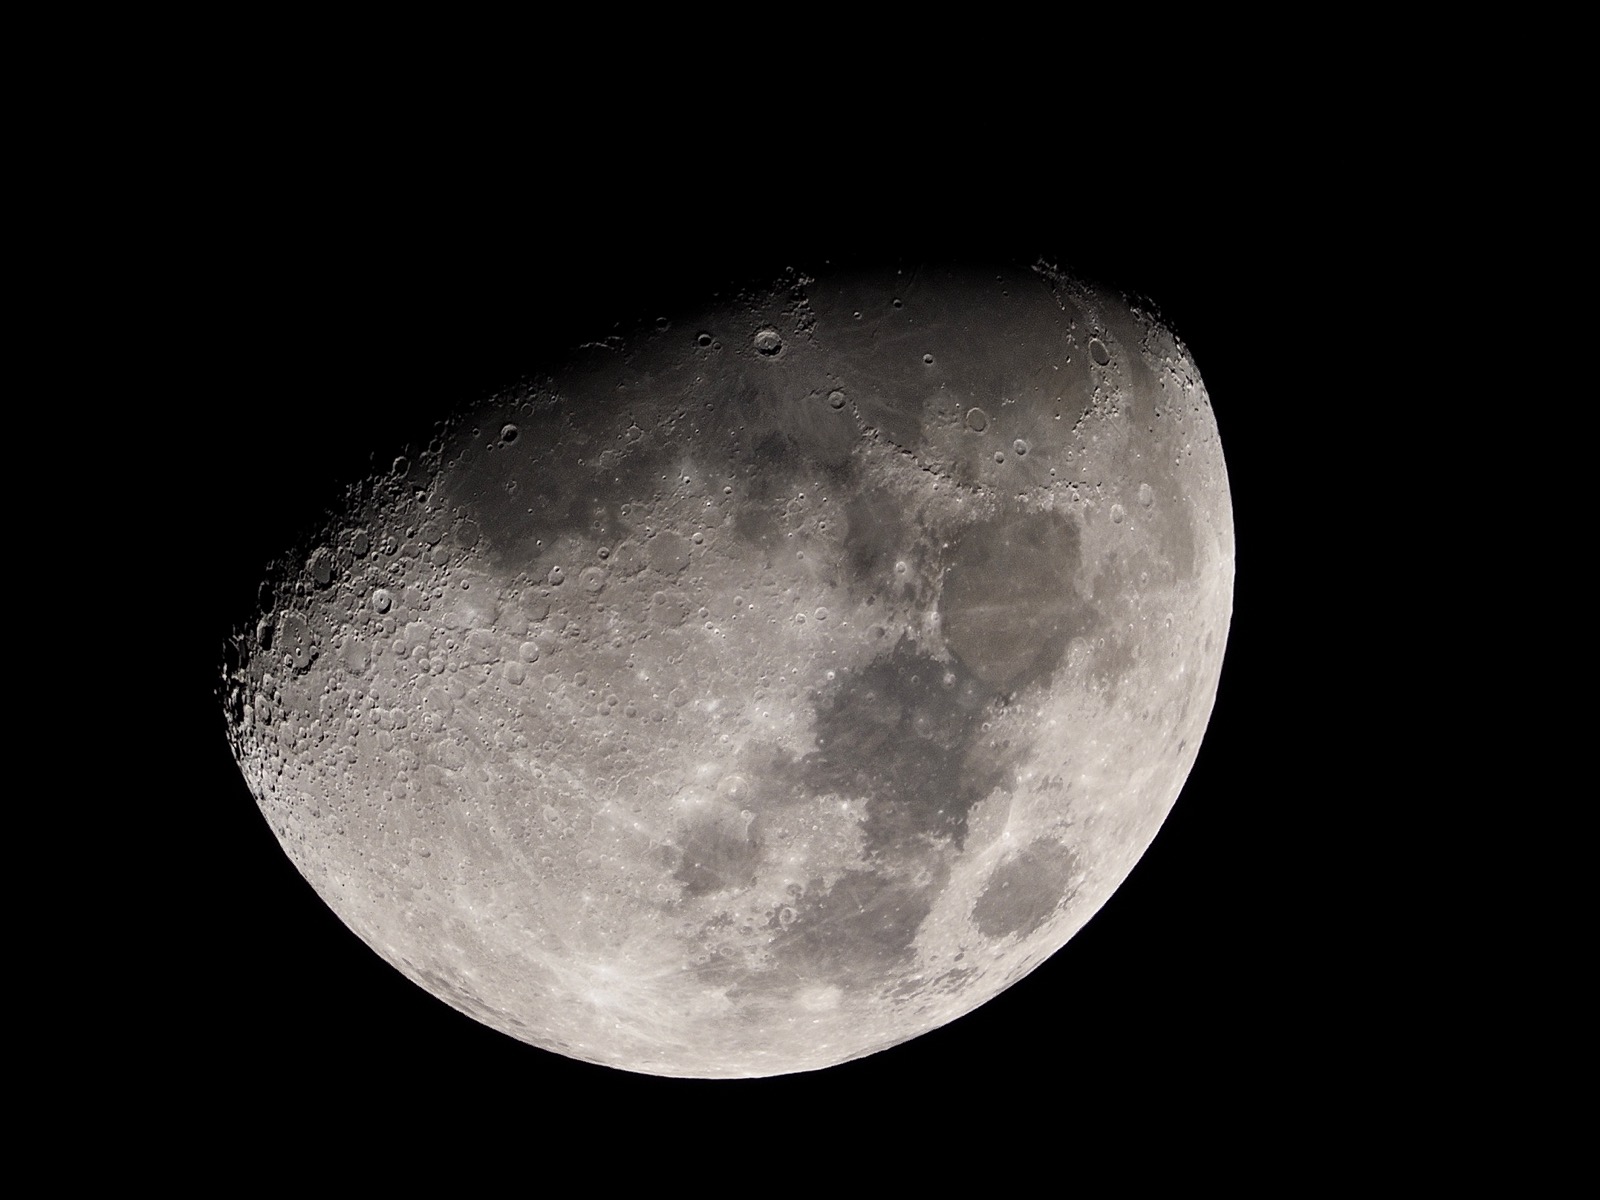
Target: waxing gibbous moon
(766,686)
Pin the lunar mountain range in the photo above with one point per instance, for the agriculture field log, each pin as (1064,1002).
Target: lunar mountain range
(763,688)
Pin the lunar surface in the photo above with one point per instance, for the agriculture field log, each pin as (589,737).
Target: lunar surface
(763,688)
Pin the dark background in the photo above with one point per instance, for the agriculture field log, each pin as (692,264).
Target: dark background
(327,317)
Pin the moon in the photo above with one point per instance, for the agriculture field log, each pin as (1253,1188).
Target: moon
(762,687)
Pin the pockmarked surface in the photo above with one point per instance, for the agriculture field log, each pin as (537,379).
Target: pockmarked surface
(766,688)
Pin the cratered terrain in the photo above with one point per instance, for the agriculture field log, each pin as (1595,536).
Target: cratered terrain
(762,687)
